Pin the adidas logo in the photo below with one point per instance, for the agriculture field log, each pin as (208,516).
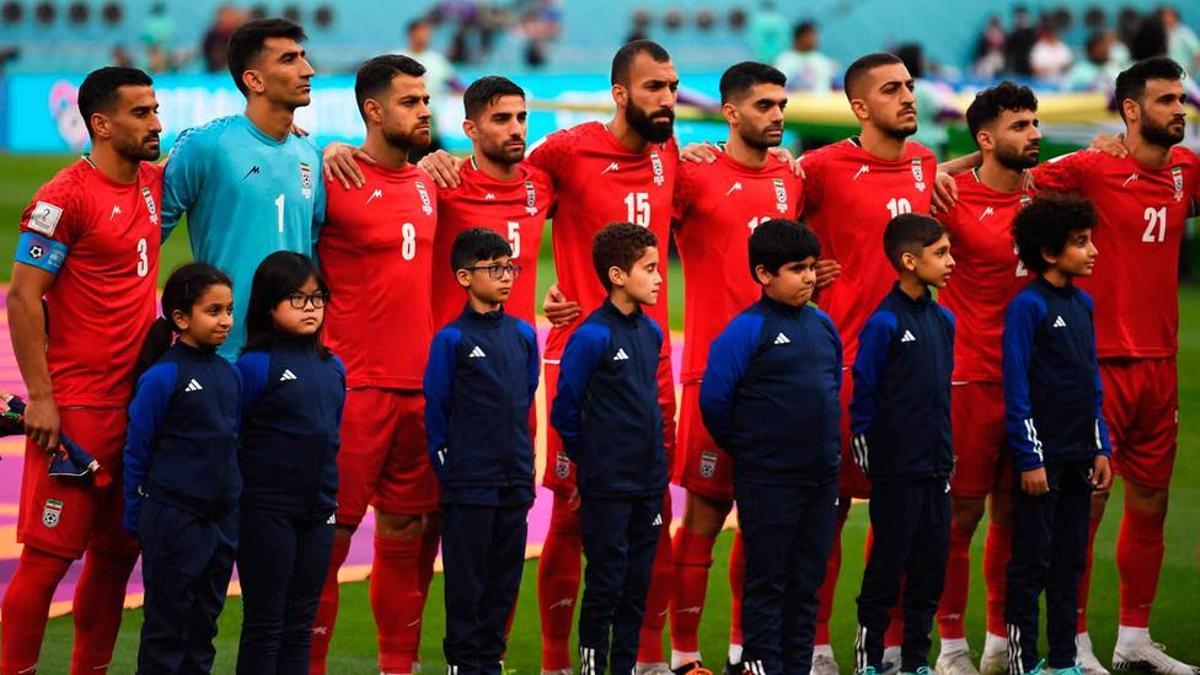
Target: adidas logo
(193,386)
(621,355)
(782,339)
(476,353)
(657,520)
(1059,323)
(287,375)
(908,337)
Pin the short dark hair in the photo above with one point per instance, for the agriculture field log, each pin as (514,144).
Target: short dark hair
(484,92)
(416,23)
(476,244)
(778,242)
(247,43)
(803,27)
(1046,224)
(376,74)
(620,245)
(1131,83)
(991,102)
(277,277)
(623,59)
(100,88)
(738,79)
(910,233)
(864,65)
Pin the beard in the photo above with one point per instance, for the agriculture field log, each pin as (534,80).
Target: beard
(501,153)
(645,125)
(1161,135)
(900,132)
(759,139)
(1015,160)
(408,140)
(142,151)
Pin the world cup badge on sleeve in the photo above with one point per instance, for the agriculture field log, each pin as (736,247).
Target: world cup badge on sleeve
(708,464)
(52,513)
(426,203)
(781,200)
(562,465)
(657,167)
(918,174)
(306,180)
(530,199)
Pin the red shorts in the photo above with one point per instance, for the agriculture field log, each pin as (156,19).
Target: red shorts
(559,474)
(384,459)
(703,468)
(65,516)
(852,482)
(1141,407)
(981,456)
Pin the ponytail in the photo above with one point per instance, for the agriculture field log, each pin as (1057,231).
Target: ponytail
(158,341)
(184,288)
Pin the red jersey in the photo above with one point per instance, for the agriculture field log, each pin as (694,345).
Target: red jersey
(376,249)
(600,182)
(517,210)
(717,206)
(986,277)
(1141,212)
(849,197)
(100,239)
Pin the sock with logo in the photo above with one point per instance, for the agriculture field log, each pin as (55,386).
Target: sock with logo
(1085,579)
(1139,561)
(658,600)
(396,601)
(997,549)
(559,570)
(99,601)
(693,559)
(26,606)
(737,587)
(953,603)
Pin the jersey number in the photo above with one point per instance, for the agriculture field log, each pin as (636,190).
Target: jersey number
(514,237)
(637,206)
(408,248)
(279,211)
(1156,225)
(143,266)
(899,205)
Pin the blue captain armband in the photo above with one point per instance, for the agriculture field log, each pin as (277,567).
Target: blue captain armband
(41,252)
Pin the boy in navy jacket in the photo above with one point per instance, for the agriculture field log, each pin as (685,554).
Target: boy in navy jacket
(769,398)
(1061,450)
(479,387)
(611,424)
(900,421)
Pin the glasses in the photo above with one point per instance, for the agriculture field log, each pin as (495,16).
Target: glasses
(300,300)
(497,272)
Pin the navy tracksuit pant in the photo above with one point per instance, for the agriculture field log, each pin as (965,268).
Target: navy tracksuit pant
(787,531)
(1049,544)
(187,559)
(911,525)
(483,551)
(620,537)
(281,563)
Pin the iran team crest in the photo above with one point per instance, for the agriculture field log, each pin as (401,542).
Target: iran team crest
(781,196)
(151,208)
(918,174)
(708,464)
(52,513)
(657,166)
(530,199)
(1177,178)
(562,465)
(423,194)
(306,180)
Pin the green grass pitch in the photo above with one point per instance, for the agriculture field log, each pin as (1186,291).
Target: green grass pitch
(1175,622)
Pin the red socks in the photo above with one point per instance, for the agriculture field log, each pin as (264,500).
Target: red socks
(658,600)
(832,568)
(1139,561)
(99,599)
(953,604)
(559,571)
(737,586)
(397,602)
(693,559)
(327,608)
(26,605)
(997,549)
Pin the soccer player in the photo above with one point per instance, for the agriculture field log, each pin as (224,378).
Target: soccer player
(376,252)
(717,207)
(851,190)
(89,245)
(1003,122)
(249,185)
(499,191)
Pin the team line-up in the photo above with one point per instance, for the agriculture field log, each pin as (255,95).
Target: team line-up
(357,332)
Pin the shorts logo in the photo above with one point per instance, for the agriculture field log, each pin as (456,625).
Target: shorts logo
(306,180)
(562,466)
(52,513)
(708,464)
(44,218)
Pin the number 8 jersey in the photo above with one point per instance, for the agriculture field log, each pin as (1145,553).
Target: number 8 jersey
(100,240)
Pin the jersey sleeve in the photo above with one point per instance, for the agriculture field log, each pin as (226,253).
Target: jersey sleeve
(146,412)
(874,345)
(183,179)
(580,359)
(439,388)
(552,153)
(728,360)
(50,225)
(1065,173)
(253,367)
(1021,320)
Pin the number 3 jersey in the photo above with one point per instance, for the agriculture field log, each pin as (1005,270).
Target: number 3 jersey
(100,240)
(376,251)
(850,196)
(600,182)
(1140,212)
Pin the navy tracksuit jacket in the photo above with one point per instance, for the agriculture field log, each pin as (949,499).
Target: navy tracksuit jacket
(900,421)
(480,382)
(1052,401)
(182,485)
(770,399)
(611,425)
(292,411)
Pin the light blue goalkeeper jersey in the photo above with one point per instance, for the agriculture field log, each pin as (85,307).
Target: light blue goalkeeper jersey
(247,195)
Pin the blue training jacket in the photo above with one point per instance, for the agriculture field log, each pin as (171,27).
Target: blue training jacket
(182,443)
(607,409)
(480,382)
(770,394)
(900,414)
(291,413)
(1052,390)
